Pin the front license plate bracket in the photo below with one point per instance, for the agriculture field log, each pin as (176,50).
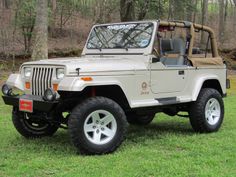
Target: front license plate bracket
(26,105)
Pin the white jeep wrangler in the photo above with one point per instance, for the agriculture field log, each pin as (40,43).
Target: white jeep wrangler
(127,73)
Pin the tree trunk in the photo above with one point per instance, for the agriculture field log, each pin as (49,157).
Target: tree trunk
(226,10)
(40,48)
(127,10)
(221,21)
(195,11)
(190,10)
(54,5)
(52,25)
(204,21)
(5,4)
(234,15)
(144,10)
(170,10)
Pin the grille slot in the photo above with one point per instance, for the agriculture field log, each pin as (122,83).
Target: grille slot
(41,80)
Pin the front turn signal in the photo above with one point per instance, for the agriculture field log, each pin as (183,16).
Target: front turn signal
(27,85)
(87,78)
(55,87)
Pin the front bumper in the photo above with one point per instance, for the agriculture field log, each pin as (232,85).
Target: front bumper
(38,103)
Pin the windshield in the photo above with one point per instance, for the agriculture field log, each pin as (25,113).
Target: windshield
(121,36)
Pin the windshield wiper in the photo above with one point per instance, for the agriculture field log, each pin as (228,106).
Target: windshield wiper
(99,48)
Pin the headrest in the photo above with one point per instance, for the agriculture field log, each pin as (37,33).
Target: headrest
(166,45)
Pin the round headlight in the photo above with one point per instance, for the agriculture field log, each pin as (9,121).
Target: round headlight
(49,95)
(27,72)
(6,90)
(60,73)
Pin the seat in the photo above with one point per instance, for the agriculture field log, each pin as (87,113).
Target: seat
(173,51)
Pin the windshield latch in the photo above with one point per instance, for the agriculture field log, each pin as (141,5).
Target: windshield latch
(78,69)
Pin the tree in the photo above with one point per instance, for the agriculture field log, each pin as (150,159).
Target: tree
(234,14)
(103,9)
(191,10)
(25,20)
(40,48)
(133,9)
(157,8)
(53,17)
(127,10)
(143,9)
(221,20)
(5,3)
(177,9)
(204,20)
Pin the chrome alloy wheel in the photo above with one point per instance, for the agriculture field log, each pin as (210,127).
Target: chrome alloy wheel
(212,111)
(100,127)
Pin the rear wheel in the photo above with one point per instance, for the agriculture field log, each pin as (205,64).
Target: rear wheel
(97,126)
(136,119)
(31,126)
(207,113)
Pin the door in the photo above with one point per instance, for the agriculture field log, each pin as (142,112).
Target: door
(167,79)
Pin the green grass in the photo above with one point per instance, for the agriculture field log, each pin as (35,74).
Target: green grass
(167,147)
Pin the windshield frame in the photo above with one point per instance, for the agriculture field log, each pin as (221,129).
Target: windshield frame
(110,51)
(125,46)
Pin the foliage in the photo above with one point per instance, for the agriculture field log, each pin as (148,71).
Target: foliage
(158,9)
(25,20)
(102,10)
(173,9)
(65,18)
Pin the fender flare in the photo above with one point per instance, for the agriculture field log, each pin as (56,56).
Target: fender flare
(199,83)
(75,84)
(15,80)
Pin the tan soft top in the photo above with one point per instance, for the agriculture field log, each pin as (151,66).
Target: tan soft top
(193,27)
(198,62)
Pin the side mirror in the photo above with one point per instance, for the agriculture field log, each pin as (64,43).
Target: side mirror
(155,59)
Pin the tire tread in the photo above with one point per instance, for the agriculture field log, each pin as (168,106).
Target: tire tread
(79,111)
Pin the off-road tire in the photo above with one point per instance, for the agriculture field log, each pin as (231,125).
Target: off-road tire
(135,119)
(77,120)
(197,113)
(29,131)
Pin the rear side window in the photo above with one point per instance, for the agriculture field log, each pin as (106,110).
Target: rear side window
(202,45)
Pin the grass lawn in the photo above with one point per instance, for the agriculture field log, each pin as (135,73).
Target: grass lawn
(167,147)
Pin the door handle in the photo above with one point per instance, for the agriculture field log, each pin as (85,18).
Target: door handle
(181,72)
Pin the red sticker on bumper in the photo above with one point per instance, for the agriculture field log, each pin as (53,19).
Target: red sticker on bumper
(26,105)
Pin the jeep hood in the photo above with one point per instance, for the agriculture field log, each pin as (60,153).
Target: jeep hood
(95,65)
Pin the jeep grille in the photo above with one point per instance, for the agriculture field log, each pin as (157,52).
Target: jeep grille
(41,79)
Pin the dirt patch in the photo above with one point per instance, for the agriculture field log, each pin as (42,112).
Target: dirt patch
(231,72)
(230,57)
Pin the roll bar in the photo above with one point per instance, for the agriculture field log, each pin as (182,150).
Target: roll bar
(193,27)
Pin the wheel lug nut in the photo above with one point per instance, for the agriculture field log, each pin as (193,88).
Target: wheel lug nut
(97,122)
(102,123)
(94,127)
(97,131)
(102,128)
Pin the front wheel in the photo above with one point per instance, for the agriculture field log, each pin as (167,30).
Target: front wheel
(207,113)
(97,126)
